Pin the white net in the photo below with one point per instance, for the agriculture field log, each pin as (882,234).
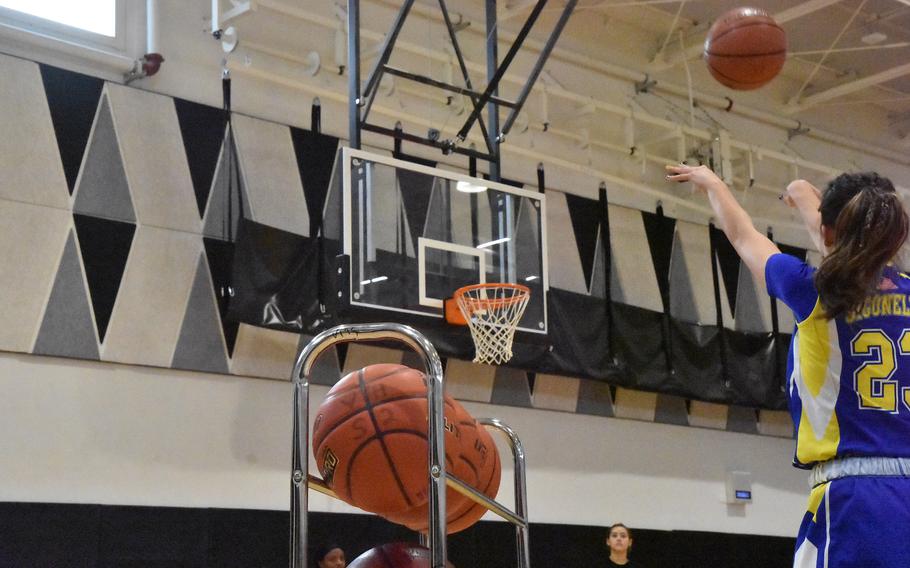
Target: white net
(493,312)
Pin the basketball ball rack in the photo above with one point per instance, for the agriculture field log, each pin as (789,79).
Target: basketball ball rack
(439,479)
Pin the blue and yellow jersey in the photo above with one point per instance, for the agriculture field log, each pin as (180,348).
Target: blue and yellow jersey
(849,378)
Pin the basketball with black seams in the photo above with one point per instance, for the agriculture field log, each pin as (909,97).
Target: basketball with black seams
(745,48)
(370,438)
(477,464)
(396,555)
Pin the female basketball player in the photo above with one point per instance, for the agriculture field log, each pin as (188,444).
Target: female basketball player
(849,362)
(619,541)
(331,556)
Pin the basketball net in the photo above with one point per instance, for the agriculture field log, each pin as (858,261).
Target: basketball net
(492,312)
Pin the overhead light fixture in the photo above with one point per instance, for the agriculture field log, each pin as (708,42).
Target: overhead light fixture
(468,187)
(530,278)
(496,242)
(373,280)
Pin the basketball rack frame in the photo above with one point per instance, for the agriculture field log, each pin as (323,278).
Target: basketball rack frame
(439,479)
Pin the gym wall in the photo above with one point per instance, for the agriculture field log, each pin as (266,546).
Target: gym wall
(123,384)
(114,248)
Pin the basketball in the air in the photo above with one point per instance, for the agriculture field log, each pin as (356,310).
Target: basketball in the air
(477,464)
(745,48)
(370,438)
(396,555)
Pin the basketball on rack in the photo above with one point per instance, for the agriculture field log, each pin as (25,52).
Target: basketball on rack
(745,49)
(370,438)
(489,473)
(477,465)
(395,555)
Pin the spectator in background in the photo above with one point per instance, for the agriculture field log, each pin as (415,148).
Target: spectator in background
(619,541)
(329,556)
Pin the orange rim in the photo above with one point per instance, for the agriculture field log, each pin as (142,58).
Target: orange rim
(520,292)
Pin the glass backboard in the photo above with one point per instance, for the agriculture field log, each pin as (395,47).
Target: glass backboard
(415,234)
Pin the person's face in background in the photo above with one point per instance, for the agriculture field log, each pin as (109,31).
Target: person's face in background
(618,540)
(334,559)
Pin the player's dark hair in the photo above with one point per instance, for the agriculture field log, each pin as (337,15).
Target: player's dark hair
(319,552)
(870,226)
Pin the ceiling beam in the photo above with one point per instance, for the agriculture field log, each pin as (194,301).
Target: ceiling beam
(851,87)
(697,43)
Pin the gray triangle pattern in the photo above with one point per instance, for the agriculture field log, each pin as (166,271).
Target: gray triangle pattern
(599,274)
(438,223)
(200,345)
(750,304)
(742,419)
(216,222)
(671,410)
(102,190)
(68,329)
(594,398)
(527,252)
(331,210)
(511,388)
(682,297)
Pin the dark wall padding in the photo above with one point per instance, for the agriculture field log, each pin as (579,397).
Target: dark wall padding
(275,278)
(39,535)
(276,285)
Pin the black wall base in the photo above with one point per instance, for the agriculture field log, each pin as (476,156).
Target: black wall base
(48,535)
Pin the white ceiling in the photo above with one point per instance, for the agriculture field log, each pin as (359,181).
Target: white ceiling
(832,78)
(830,69)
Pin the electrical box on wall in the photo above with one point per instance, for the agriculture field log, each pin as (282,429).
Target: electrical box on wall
(739,487)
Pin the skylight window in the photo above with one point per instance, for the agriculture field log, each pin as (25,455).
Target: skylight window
(94,16)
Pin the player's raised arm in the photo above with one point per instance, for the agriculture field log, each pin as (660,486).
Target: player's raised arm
(806,199)
(753,247)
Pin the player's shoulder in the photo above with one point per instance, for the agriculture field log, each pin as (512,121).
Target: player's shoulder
(786,270)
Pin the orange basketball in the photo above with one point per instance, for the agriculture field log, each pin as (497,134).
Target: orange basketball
(745,48)
(489,474)
(477,465)
(464,468)
(370,438)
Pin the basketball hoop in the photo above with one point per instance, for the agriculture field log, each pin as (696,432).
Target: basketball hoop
(492,313)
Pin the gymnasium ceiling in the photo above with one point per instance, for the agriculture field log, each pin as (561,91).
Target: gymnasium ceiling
(848,69)
(841,53)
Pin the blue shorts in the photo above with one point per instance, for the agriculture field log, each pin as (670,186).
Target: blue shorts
(856,522)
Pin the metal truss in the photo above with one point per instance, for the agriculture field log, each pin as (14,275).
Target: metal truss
(361,99)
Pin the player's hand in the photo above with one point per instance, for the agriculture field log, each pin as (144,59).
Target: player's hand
(702,177)
(800,189)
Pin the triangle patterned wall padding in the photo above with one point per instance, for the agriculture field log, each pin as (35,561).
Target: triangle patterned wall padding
(316,155)
(68,328)
(585,216)
(72,99)
(140,271)
(633,278)
(511,388)
(202,130)
(563,254)
(151,302)
(105,246)
(103,190)
(661,233)
(29,155)
(200,345)
(219,255)
(272,175)
(154,158)
(228,199)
